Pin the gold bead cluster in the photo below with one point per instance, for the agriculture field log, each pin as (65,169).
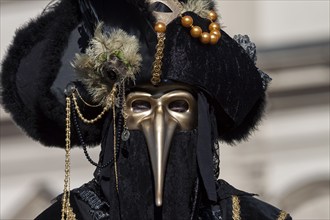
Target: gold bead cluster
(212,37)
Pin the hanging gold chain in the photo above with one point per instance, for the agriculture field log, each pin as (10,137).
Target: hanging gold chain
(115,146)
(67,211)
(85,120)
(86,103)
(157,65)
(124,113)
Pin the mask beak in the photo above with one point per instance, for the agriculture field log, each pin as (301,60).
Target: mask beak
(158,131)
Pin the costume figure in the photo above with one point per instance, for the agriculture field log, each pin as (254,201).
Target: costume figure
(157,84)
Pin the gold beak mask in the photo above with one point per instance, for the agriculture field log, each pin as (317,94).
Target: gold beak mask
(158,112)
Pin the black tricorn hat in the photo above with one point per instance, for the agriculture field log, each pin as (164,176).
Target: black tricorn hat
(37,67)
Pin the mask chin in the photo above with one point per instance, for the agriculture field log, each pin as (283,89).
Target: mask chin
(136,184)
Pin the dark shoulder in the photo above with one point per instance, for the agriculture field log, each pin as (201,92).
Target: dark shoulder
(237,204)
(51,213)
(86,203)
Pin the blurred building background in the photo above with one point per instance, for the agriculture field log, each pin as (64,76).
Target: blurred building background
(286,162)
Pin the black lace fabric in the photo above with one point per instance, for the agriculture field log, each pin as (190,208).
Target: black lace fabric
(216,159)
(136,189)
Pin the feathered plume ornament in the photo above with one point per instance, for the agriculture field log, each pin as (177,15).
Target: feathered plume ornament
(110,60)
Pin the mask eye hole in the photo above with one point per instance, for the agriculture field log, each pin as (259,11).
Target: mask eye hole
(179,106)
(141,106)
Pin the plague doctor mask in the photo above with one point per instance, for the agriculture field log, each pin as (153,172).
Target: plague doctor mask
(158,112)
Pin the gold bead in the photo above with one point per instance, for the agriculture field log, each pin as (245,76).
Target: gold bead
(216,33)
(196,31)
(213,15)
(187,21)
(213,39)
(214,26)
(205,38)
(160,27)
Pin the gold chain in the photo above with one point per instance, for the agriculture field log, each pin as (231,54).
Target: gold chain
(114,145)
(157,65)
(282,215)
(236,208)
(67,211)
(85,120)
(86,103)
(124,113)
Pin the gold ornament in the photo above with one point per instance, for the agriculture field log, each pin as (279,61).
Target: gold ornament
(196,31)
(236,208)
(213,39)
(160,27)
(282,215)
(205,38)
(213,15)
(217,33)
(214,26)
(187,21)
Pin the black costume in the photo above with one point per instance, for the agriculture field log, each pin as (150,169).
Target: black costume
(91,205)
(47,97)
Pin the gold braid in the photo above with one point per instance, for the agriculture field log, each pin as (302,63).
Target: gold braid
(282,215)
(157,65)
(236,208)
